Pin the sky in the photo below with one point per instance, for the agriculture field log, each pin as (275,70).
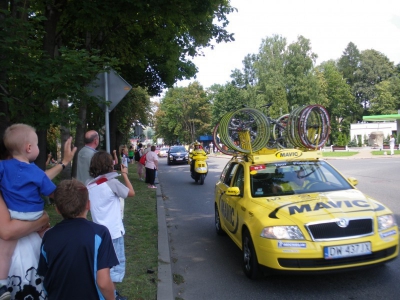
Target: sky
(330,25)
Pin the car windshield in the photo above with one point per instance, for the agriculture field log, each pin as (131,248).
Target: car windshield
(164,149)
(177,149)
(288,178)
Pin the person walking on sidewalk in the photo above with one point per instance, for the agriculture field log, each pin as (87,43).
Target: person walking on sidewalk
(391,144)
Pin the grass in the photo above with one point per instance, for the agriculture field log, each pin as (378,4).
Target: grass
(141,230)
(382,152)
(339,154)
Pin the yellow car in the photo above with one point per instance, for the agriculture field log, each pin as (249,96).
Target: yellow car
(291,211)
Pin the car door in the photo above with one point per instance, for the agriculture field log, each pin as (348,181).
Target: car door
(229,204)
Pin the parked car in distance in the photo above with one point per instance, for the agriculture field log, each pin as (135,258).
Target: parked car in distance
(163,152)
(177,155)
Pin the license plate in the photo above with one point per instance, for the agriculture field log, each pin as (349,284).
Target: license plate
(347,250)
(179,159)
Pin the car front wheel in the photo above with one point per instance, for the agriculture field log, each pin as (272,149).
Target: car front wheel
(250,263)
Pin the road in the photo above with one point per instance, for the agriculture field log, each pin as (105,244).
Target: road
(207,266)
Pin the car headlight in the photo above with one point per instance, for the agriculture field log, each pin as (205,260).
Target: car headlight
(385,222)
(282,233)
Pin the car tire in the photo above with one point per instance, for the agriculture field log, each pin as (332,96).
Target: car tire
(218,227)
(168,162)
(250,263)
(202,177)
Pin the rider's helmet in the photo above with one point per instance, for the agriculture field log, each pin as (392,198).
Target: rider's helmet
(196,145)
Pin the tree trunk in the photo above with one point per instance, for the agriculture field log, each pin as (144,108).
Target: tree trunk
(79,136)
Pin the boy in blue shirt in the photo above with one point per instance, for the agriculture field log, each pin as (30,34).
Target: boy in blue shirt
(76,254)
(21,183)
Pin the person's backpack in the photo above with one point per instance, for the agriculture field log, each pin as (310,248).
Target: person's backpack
(137,155)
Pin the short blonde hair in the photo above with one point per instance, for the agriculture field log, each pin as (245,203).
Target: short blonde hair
(16,136)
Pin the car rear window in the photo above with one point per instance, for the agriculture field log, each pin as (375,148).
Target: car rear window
(178,149)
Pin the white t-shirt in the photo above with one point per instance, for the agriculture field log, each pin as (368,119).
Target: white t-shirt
(105,206)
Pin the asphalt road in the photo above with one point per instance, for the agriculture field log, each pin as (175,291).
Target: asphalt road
(207,266)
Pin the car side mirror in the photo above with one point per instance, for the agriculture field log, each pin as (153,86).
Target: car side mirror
(233,191)
(353,181)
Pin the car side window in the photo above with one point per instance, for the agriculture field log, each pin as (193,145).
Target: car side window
(230,172)
(239,179)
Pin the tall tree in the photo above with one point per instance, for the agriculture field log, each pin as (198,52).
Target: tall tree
(349,62)
(300,80)
(184,114)
(271,74)
(374,68)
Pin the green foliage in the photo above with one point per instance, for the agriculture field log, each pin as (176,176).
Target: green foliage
(374,67)
(184,114)
(353,142)
(341,140)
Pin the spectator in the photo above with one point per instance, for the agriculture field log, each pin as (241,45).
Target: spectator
(391,143)
(68,251)
(85,155)
(131,153)
(151,167)
(21,183)
(105,208)
(140,167)
(26,253)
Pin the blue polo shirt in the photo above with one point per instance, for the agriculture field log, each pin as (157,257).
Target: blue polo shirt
(22,185)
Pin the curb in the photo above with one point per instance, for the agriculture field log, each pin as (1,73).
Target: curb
(164,286)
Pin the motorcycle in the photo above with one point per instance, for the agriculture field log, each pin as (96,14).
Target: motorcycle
(198,165)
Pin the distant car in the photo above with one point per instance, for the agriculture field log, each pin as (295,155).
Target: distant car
(291,211)
(177,155)
(163,152)
(157,150)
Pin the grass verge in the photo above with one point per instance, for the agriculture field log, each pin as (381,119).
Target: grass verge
(339,154)
(141,230)
(385,152)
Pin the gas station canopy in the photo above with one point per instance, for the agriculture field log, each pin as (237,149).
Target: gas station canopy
(382,118)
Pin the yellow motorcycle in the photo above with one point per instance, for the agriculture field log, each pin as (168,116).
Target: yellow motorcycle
(197,163)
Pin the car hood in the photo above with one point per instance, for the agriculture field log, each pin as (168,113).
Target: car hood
(320,206)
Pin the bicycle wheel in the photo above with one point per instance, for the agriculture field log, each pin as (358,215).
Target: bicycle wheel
(279,132)
(314,126)
(244,130)
(308,127)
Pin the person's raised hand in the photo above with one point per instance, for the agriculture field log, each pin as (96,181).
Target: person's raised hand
(68,152)
(124,170)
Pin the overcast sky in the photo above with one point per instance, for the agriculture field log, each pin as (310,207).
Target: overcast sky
(329,25)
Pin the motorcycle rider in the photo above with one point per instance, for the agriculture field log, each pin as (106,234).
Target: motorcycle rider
(196,151)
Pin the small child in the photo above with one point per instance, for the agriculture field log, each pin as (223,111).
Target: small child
(104,192)
(76,255)
(22,183)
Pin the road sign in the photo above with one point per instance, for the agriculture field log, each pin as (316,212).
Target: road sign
(116,86)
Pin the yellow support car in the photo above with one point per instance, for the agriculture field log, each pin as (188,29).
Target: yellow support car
(291,211)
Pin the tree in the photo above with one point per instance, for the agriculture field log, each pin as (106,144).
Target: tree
(374,68)
(340,104)
(271,74)
(384,103)
(69,42)
(349,62)
(300,80)
(184,114)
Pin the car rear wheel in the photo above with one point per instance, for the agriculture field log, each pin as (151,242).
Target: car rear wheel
(218,227)
(250,263)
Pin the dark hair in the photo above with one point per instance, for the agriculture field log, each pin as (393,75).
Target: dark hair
(140,145)
(101,163)
(153,148)
(70,198)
